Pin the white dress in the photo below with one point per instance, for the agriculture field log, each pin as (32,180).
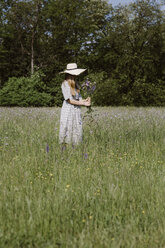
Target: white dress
(70,120)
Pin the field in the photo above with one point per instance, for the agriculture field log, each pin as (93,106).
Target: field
(107,192)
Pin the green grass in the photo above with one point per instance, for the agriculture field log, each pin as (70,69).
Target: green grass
(108,192)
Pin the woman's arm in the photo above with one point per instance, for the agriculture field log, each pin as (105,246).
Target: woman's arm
(79,103)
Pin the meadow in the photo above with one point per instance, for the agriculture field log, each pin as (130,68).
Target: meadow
(107,192)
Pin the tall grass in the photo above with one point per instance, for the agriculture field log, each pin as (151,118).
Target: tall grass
(107,192)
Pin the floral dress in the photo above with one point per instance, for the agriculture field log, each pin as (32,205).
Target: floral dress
(70,120)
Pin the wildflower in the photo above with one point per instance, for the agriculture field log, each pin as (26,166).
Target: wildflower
(47,148)
(68,185)
(88,88)
(87,83)
(86,155)
(63,148)
(90,217)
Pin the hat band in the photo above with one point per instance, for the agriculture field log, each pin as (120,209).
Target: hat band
(71,69)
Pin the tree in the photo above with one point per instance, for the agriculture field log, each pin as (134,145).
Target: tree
(131,46)
(4,37)
(123,46)
(72,28)
(26,17)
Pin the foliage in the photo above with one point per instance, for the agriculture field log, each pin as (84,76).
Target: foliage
(113,91)
(125,43)
(54,88)
(30,91)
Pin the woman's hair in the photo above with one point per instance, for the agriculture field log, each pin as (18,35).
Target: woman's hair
(72,83)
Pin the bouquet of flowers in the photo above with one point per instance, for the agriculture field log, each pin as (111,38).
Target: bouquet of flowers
(88,89)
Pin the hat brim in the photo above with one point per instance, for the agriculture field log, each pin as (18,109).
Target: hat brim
(74,72)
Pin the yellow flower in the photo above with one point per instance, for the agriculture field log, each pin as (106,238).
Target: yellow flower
(83,221)
(67,186)
(143,212)
(90,217)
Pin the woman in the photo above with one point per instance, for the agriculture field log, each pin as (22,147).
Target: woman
(70,120)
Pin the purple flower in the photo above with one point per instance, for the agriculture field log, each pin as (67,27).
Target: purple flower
(86,155)
(63,148)
(88,87)
(93,88)
(47,148)
(87,83)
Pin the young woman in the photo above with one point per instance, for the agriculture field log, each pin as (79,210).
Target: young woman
(70,120)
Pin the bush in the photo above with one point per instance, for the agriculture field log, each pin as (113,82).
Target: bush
(121,91)
(54,88)
(148,94)
(26,91)
(33,91)
(106,90)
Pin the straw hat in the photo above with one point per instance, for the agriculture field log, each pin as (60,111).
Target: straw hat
(73,70)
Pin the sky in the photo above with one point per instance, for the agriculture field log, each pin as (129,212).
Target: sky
(116,2)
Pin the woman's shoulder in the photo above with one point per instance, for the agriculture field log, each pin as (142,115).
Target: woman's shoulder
(64,83)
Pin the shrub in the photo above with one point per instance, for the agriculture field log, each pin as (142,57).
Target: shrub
(25,91)
(148,94)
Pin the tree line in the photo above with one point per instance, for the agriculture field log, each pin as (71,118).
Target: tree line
(123,48)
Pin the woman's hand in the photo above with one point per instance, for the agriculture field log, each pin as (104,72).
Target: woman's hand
(88,99)
(87,102)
